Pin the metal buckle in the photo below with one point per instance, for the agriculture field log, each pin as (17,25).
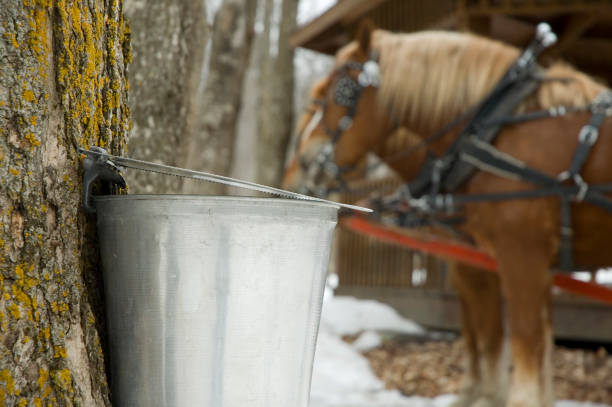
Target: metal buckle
(370,74)
(331,169)
(557,111)
(345,123)
(588,135)
(603,103)
(440,165)
(564,176)
(583,187)
(421,204)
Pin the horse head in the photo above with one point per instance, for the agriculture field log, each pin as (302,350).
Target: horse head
(343,121)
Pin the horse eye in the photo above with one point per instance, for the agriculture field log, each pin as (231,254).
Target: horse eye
(347,92)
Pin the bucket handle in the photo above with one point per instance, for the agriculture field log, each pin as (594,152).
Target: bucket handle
(98,168)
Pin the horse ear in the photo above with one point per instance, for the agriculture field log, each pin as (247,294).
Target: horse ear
(364,34)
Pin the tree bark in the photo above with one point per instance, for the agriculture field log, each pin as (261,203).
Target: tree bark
(275,122)
(168,40)
(212,147)
(62,85)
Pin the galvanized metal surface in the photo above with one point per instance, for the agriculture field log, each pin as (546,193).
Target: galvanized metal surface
(212,301)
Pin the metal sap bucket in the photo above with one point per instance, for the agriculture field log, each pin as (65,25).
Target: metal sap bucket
(212,301)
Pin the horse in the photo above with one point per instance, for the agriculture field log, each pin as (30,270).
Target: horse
(428,79)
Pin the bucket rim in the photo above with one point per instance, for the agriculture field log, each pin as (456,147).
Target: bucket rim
(213,198)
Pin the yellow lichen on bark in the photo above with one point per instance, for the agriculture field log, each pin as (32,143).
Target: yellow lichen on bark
(7,384)
(92,103)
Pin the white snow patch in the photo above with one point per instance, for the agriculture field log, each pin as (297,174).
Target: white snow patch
(604,276)
(308,10)
(367,340)
(342,378)
(350,316)
(571,403)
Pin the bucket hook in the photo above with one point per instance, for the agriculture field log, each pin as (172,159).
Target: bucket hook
(101,168)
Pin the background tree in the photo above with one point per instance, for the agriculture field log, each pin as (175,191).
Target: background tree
(168,41)
(211,147)
(276,82)
(62,85)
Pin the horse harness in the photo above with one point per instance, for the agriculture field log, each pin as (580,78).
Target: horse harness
(347,94)
(432,191)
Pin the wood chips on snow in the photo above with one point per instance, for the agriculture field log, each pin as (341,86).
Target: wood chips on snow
(432,368)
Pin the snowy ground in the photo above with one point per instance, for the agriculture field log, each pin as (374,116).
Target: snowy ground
(342,376)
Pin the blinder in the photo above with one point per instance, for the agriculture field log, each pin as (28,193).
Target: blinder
(347,92)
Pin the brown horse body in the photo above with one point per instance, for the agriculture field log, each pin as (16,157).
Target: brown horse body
(427,80)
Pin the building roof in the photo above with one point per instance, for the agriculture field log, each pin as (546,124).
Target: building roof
(584,27)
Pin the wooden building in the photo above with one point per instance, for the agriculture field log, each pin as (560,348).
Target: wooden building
(584,27)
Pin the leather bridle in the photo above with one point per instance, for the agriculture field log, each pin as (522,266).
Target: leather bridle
(346,93)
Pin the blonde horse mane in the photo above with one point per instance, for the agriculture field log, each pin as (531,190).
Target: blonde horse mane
(431,77)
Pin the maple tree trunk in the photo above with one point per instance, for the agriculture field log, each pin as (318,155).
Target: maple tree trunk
(275,118)
(211,147)
(62,85)
(168,41)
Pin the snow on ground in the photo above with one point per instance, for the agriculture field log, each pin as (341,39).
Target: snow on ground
(342,376)
(350,316)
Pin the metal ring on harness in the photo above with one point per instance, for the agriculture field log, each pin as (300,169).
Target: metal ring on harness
(583,188)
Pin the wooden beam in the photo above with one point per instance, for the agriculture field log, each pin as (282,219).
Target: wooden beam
(359,10)
(461,15)
(449,22)
(603,7)
(344,12)
(480,25)
(511,31)
(328,43)
(591,51)
(574,29)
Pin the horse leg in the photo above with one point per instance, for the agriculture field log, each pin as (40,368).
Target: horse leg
(526,282)
(482,331)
